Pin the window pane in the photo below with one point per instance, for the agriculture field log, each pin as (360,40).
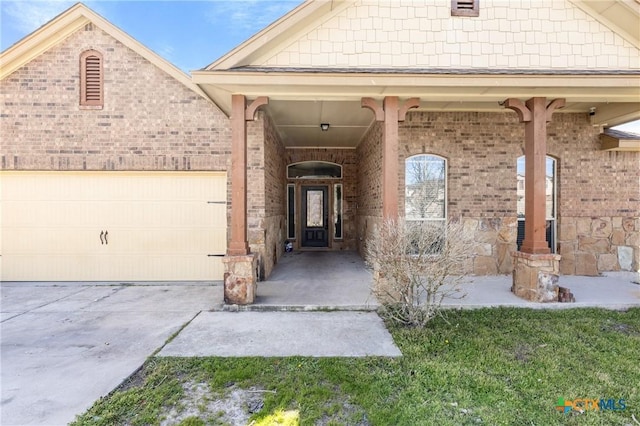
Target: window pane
(550,208)
(425,187)
(315,204)
(314,170)
(291,211)
(549,187)
(337,210)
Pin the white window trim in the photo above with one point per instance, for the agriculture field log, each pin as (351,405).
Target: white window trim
(446,189)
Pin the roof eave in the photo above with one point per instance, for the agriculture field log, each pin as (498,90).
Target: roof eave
(284,28)
(619,141)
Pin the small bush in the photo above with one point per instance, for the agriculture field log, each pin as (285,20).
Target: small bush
(416,266)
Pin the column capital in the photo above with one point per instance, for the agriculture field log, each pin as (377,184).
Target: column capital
(515,104)
(526,110)
(374,106)
(406,106)
(553,105)
(250,112)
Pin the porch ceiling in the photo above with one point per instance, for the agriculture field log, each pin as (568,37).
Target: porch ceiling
(300,101)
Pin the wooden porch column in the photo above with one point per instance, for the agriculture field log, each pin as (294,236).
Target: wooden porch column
(535,114)
(240,114)
(390,113)
(535,269)
(240,278)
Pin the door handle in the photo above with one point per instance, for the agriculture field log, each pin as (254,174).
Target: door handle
(103,237)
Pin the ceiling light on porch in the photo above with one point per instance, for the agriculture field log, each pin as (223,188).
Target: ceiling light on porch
(324,126)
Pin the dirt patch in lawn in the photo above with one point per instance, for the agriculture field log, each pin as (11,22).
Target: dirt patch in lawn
(235,406)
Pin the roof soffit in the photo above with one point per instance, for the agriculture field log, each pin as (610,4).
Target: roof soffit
(455,88)
(70,21)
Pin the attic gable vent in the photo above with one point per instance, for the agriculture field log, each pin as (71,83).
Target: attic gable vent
(91,79)
(465,8)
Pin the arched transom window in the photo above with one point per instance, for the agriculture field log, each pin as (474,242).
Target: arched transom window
(314,170)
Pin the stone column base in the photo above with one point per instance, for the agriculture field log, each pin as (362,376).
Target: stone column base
(240,279)
(535,276)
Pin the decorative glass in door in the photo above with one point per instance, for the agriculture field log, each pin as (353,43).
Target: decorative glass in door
(315,216)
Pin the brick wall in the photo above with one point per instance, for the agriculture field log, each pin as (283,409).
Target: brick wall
(266,196)
(601,188)
(149,121)
(275,196)
(369,198)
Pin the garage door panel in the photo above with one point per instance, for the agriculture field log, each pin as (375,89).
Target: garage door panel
(54,241)
(57,241)
(161,225)
(168,241)
(161,214)
(132,268)
(170,187)
(46,214)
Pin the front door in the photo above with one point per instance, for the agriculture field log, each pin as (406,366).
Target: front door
(315,216)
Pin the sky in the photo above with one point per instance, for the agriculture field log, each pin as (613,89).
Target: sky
(189,34)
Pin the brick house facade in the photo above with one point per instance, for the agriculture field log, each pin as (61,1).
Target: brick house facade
(460,70)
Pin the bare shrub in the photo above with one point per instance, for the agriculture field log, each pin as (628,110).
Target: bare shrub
(417,264)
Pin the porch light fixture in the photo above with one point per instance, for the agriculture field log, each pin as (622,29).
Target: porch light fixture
(324,126)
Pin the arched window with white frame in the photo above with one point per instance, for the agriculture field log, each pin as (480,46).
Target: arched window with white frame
(425,183)
(551,200)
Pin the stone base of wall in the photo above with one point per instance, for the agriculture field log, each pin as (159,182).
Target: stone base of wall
(535,276)
(493,239)
(240,279)
(266,240)
(592,245)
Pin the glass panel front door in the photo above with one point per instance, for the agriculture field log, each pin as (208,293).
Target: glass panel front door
(315,229)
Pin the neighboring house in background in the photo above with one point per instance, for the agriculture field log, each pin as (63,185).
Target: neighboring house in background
(118,166)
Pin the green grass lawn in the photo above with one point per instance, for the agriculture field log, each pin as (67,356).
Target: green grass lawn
(489,366)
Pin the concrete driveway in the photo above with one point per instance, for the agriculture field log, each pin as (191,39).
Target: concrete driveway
(65,345)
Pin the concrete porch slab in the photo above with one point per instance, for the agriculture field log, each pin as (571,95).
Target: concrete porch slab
(273,334)
(317,280)
(613,290)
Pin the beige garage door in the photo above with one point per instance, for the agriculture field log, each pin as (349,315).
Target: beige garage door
(112,226)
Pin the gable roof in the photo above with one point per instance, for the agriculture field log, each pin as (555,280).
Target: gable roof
(621,16)
(315,24)
(67,23)
(287,28)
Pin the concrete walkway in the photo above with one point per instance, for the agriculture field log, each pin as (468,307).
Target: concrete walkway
(315,334)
